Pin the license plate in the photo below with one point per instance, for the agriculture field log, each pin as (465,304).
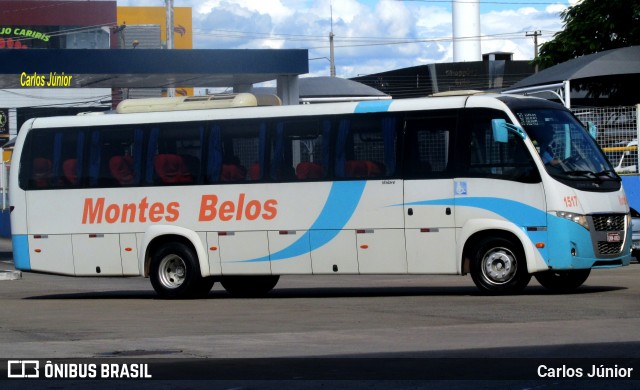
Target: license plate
(613,237)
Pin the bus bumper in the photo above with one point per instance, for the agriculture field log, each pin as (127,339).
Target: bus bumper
(21,259)
(571,246)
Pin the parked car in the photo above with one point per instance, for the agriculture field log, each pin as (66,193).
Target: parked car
(635,228)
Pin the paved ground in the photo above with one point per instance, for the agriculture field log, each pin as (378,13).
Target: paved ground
(427,319)
(6,270)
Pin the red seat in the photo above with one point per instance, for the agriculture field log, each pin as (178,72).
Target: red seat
(42,170)
(361,168)
(121,168)
(171,169)
(232,172)
(309,171)
(69,170)
(254,171)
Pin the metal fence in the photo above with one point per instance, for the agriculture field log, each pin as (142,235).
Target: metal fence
(618,131)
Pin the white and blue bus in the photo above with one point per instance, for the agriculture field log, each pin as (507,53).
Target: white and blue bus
(242,195)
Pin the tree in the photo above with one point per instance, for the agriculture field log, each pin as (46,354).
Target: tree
(592,26)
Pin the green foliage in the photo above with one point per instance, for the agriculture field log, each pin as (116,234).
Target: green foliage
(592,26)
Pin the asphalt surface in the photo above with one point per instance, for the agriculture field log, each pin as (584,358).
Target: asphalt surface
(320,332)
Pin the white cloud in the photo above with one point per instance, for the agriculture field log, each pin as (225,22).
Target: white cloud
(395,17)
(556,8)
(274,8)
(306,24)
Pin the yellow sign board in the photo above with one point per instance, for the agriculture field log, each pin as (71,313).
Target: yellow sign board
(182,27)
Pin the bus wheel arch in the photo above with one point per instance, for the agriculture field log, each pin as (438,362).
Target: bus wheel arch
(497,262)
(172,263)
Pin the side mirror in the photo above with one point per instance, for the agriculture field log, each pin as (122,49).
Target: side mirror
(593,130)
(501,130)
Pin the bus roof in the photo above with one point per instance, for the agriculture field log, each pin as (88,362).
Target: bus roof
(415,104)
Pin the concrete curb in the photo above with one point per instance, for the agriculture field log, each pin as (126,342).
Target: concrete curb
(10,275)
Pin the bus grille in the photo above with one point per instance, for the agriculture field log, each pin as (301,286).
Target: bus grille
(610,248)
(608,222)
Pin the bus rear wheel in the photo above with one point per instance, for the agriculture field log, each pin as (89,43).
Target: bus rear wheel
(562,281)
(175,273)
(249,286)
(499,266)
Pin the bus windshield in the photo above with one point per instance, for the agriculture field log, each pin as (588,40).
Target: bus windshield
(569,153)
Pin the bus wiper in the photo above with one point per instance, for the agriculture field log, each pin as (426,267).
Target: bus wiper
(582,173)
(607,173)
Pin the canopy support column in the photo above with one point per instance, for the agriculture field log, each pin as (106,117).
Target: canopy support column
(288,90)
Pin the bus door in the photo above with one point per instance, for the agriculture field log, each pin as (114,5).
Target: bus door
(498,182)
(366,148)
(429,211)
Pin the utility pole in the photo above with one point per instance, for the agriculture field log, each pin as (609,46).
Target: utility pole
(171,92)
(332,59)
(535,36)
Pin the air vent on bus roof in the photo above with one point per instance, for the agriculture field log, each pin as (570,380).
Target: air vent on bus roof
(195,103)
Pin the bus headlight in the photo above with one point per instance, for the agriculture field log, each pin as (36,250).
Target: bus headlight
(577,218)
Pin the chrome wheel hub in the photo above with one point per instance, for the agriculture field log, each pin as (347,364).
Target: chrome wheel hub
(172,271)
(499,266)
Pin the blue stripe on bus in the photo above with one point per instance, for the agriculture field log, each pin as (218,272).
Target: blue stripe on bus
(568,245)
(21,258)
(340,205)
(519,213)
(373,106)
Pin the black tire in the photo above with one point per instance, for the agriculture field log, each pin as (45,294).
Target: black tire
(175,273)
(498,266)
(249,286)
(562,281)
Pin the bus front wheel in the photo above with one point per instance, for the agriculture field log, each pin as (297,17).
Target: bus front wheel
(175,273)
(562,281)
(249,286)
(499,266)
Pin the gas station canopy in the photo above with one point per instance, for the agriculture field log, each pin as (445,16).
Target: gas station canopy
(149,68)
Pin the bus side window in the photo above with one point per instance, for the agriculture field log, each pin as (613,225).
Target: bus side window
(114,157)
(52,157)
(299,150)
(427,145)
(174,154)
(366,147)
(487,158)
(235,152)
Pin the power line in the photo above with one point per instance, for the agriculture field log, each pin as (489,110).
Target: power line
(357,41)
(481,2)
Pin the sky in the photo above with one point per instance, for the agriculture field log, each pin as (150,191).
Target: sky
(370,36)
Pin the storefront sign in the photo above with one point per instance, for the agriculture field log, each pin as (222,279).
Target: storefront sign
(20,32)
